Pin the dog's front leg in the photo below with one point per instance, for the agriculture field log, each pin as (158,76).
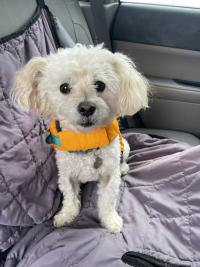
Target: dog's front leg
(71,203)
(107,199)
(69,186)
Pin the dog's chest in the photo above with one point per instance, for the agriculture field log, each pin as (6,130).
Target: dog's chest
(90,166)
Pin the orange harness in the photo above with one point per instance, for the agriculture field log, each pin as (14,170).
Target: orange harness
(72,141)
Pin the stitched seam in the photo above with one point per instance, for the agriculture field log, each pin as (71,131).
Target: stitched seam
(188,207)
(14,197)
(27,144)
(9,203)
(28,184)
(75,23)
(20,39)
(27,34)
(147,203)
(155,184)
(34,160)
(188,195)
(164,217)
(19,142)
(28,148)
(34,36)
(149,217)
(46,31)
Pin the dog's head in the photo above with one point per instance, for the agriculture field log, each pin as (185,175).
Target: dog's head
(83,87)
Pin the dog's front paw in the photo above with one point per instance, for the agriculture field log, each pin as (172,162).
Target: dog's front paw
(124,168)
(65,217)
(113,222)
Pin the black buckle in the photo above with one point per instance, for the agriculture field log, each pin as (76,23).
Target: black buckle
(137,259)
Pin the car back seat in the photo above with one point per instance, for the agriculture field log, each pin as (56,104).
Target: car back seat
(14,14)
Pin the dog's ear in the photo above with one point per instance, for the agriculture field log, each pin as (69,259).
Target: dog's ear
(24,91)
(133,86)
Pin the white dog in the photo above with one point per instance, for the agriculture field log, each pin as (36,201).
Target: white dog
(84,88)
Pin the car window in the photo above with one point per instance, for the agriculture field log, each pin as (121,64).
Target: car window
(181,3)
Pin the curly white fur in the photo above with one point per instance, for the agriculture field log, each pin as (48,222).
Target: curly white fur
(37,86)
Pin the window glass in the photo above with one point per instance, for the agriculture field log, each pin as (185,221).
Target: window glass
(183,3)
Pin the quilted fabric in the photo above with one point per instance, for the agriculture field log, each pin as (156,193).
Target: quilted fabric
(27,168)
(159,202)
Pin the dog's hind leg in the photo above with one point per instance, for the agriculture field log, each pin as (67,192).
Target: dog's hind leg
(124,166)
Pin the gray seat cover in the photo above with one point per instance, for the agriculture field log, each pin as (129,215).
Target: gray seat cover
(27,166)
(159,202)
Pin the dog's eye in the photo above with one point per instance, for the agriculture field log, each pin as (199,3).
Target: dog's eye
(100,86)
(65,88)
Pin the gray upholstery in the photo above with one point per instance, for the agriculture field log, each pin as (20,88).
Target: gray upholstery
(68,12)
(176,135)
(72,19)
(15,14)
(171,63)
(63,36)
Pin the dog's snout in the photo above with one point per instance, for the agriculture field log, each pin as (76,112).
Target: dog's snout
(86,108)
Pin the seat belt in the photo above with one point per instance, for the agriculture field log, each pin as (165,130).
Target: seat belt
(100,23)
(103,36)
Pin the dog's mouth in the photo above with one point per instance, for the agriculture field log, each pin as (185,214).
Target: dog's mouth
(87,122)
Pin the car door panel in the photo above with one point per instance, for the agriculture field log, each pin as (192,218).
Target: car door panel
(158,61)
(165,44)
(158,25)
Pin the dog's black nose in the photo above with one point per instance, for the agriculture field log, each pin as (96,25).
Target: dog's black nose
(86,108)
